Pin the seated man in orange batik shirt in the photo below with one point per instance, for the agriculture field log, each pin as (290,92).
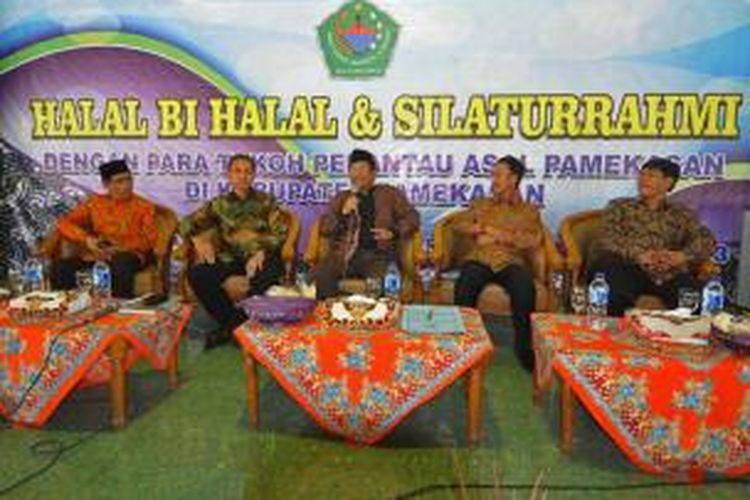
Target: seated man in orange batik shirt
(118,227)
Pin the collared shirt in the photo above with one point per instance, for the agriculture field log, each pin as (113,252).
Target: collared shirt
(239,227)
(519,219)
(391,210)
(128,224)
(631,228)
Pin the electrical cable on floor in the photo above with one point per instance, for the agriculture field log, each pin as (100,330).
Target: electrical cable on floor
(37,376)
(566,487)
(53,447)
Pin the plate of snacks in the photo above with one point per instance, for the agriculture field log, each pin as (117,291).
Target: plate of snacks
(732,330)
(359,312)
(40,306)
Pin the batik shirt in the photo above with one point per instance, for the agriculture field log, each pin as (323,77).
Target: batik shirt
(516,218)
(129,224)
(239,227)
(631,228)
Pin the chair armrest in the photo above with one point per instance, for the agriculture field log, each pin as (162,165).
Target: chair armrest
(573,260)
(312,251)
(51,246)
(440,244)
(412,255)
(289,249)
(163,257)
(187,254)
(555,260)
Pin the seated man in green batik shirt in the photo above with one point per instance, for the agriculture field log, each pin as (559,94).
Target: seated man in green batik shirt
(236,234)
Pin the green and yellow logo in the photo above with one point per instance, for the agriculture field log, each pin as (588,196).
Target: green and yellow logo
(357,40)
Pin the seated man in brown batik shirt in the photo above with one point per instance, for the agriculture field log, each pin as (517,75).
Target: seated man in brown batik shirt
(366,224)
(505,229)
(648,244)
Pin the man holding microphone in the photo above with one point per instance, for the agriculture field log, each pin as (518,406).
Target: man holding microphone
(366,224)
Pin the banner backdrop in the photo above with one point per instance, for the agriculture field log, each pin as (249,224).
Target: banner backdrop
(583,90)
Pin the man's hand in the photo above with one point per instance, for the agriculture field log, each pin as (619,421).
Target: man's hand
(382,234)
(99,247)
(350,205)
(649,260)
(484,239)
(661,260)
(255,263)
(672,259)
(500,236)
(204,251)
(476,229)
(92,244)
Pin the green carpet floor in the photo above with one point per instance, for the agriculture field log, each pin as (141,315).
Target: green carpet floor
(195,443)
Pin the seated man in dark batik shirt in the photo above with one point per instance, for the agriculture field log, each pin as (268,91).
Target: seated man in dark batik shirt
(649,245)
(236,234)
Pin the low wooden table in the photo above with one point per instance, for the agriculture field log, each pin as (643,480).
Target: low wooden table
(670,411)
(375,387)
(117,353)
(45,361)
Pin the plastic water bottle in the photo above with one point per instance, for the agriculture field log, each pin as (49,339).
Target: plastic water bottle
(392,281)
(102,279)
(713,298)
(34,275)
(598,295)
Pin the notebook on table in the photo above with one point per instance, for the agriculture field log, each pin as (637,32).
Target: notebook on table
(428,319)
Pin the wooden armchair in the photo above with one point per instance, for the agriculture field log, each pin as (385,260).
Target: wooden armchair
(579,233)
(410,251)
(236,286)
(450,248)
(153,278)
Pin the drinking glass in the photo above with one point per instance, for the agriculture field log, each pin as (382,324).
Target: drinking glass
(374,287)
(16,281)
(427,271)
(688,298)
(578,299)
(84,281)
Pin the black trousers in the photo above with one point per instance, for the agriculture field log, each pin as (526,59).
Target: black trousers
(627,281)
(364,263)
(518,282)
(123,266)
(206,281)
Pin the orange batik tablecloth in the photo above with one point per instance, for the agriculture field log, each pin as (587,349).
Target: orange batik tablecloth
(670,412)
(41,363)
(359,384)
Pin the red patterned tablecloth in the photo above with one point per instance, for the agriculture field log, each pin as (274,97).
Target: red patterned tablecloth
(41,363)
(674,413)
(361,384)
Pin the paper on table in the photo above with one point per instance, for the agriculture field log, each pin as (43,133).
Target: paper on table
(432,319)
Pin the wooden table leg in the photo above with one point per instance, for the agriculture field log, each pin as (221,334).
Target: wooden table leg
(173,367)
(118,382)
(474,393)
(536,391)
(567,417)
(251,371)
